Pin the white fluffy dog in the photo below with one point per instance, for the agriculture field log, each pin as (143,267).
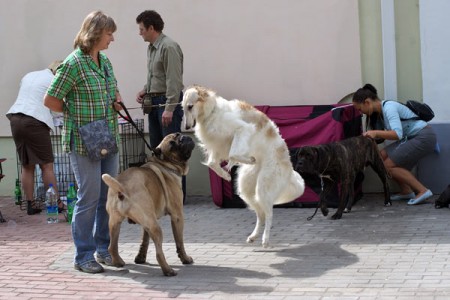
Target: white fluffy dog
(236,132)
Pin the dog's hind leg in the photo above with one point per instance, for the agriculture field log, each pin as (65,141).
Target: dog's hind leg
(351,196)
(268,225)
(155,232)
(141,257)
(113,249)
(246,183)
(379,168)
(177,222)
(260,219)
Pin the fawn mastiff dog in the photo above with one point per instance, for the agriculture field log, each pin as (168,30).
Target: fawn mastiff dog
(145,194)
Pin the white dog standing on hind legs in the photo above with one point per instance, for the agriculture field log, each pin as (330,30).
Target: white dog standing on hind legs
(235,131)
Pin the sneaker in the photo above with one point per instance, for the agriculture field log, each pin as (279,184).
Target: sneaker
(92,267)
(421,199)
(106,260)
(402,197)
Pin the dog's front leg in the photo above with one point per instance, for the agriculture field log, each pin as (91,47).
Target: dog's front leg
(177,222)
(141,257)
(327,188)
(267,227)
(342,200)
(240,150)
(215,166)
(113,249)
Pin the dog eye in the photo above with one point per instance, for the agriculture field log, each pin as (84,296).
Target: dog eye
(190,106)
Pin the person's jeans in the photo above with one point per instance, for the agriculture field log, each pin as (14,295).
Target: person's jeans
(155,128)
(90,231)
(157,131)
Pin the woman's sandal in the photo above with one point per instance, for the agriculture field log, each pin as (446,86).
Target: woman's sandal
(31,208)
(61,206)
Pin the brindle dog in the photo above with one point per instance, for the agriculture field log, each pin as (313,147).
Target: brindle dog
(340,162)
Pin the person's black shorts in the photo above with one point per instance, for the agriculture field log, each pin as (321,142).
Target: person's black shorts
(32,139)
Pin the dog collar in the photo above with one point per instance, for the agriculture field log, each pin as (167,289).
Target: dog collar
(173,171)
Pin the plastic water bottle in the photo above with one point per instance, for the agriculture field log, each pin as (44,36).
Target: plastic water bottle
(51,202)
(71,200)
(18,193)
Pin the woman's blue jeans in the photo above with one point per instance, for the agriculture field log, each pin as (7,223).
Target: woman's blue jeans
(90,231)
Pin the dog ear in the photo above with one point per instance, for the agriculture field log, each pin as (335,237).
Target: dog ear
(157,152)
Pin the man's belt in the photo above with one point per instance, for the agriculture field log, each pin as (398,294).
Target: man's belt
(156,94)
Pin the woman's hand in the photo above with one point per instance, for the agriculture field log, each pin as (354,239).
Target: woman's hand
(371,133)
(117,106)
(382,134)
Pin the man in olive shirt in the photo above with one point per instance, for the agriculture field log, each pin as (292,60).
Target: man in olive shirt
(164,80)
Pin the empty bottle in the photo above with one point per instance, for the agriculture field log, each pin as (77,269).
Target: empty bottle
(51,202)
(18,193)
(71,200)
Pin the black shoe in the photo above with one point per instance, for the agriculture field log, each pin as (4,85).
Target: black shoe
(31,210)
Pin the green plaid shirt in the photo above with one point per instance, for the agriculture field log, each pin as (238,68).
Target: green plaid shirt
(82,85)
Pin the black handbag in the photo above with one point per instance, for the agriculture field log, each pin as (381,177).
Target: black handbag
(98,139)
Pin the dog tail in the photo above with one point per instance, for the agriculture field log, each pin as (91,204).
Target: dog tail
(294,189)
(113,184)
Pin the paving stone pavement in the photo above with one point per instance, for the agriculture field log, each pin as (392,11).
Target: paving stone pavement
(374,252)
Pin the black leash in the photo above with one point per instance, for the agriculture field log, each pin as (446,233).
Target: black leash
(130,120)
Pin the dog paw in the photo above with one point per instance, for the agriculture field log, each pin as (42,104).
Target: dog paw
(336,216)
(118,262)
(187,260)
(140,259)
(226,176)
(324,211)
(230,165)
(347,210)
(265,244)
(250,239)
(388,203)
(170,272)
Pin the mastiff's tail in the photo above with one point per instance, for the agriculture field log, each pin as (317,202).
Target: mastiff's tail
(114,184)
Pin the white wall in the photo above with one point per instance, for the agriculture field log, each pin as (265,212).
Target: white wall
(435,45)
(283,52)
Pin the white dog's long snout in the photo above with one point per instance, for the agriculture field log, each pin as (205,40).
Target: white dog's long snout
(188,125)
(189,102)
